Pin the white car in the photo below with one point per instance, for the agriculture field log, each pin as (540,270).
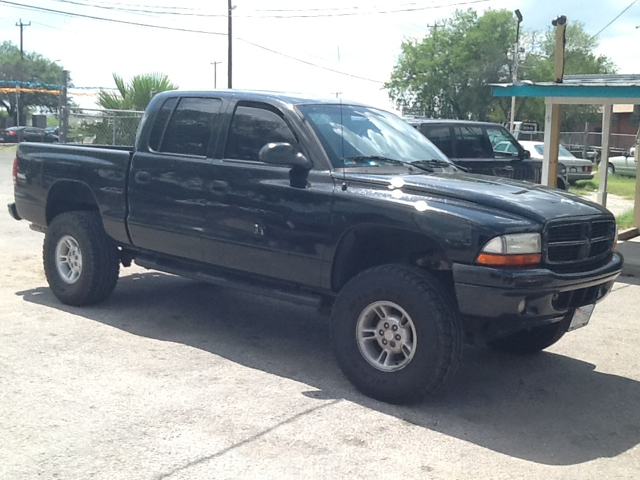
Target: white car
(577,168)
(624,165)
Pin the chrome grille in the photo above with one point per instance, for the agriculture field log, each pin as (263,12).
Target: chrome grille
(571,244)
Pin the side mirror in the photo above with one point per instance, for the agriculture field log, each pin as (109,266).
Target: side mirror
(628,153)
(283,154)
(527,154)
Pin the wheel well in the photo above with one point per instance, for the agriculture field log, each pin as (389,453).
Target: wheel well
(365,247)
(69,196)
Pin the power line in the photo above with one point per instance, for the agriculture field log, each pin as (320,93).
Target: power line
(58,12)
(617,17)
(137,24)
(335,13)
(308,63)
(376,12)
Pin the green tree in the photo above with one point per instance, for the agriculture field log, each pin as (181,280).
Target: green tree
(446,74)
(136,94)
(33,72)
(120,127)
(579,59)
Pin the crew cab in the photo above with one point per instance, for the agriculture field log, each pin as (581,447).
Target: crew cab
(337,205)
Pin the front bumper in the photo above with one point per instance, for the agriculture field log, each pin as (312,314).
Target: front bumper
(494,294)
(13,211)
(575,176)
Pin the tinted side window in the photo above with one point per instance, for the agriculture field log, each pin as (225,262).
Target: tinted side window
(472,142)
(441,137)
(251,129)
(191,126)
(160,122)
(500,137)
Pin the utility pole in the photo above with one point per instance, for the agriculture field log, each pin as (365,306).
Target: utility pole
(552,110)
(516,58)
(215,73)
(230,55)
(63,110)
(22,25)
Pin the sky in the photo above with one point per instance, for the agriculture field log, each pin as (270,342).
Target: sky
(280,45)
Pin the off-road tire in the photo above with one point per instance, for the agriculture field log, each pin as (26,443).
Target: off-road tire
(100,259)
(529,342)
(437,326)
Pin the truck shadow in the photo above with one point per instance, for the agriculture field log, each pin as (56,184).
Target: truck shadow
(549,409)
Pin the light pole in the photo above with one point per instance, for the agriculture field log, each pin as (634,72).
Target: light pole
(215,64)
(230,54)
(516,54)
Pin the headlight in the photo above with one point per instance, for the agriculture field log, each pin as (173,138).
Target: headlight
(513,250)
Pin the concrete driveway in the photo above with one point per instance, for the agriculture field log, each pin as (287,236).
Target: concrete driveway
(173,379)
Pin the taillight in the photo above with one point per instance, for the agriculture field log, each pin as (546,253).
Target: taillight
(589,169)
(11,132)
(15,171)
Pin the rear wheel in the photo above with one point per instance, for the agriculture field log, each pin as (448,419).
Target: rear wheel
(80,262)
(395,333)
(528,342)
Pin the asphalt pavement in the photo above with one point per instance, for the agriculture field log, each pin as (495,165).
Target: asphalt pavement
(174,379)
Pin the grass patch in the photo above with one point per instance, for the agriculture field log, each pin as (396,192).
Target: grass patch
(625,220)
(616,184)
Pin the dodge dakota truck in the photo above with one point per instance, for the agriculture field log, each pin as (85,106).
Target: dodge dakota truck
(336,205)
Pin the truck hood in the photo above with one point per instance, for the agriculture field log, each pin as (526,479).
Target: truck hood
(527,200)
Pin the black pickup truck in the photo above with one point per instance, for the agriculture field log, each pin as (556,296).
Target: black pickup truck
(340,206)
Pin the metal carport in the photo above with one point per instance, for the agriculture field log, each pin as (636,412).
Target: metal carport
(604,90)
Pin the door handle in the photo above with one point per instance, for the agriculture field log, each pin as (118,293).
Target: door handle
(143,177)
(508,168)
(218,186)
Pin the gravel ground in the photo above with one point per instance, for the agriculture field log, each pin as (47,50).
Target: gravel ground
(615,203)
(172,379)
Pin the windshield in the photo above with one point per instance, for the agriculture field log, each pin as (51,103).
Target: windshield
(562,151)
(356,136)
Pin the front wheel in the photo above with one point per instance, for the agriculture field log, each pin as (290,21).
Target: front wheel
(611,169)
(80,262)
(396,333)
(528,342)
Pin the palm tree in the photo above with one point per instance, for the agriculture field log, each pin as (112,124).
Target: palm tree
(136,94)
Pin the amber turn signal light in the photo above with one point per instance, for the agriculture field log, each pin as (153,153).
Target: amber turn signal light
(497,260)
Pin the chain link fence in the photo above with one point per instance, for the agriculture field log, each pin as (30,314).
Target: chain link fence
(586,144)
(103,127)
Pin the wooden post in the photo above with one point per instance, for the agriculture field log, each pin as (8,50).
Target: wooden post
(558,67)
(636,203)
(552,111)
(604,157)
(551,143)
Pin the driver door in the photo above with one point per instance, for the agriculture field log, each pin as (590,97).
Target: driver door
(256,220)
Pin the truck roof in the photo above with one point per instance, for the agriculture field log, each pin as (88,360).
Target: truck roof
(416,120)
(256,95)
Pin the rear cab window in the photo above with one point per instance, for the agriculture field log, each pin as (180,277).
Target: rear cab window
(185,126)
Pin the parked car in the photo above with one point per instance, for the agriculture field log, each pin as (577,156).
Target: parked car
(577,168)
(53,130)
(329,204)
(27,134)
(624,164)
(472,145)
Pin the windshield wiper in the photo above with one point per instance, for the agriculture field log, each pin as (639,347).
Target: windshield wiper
(376,158)
(433,162)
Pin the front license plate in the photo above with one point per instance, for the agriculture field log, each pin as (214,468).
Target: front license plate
(581,317)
